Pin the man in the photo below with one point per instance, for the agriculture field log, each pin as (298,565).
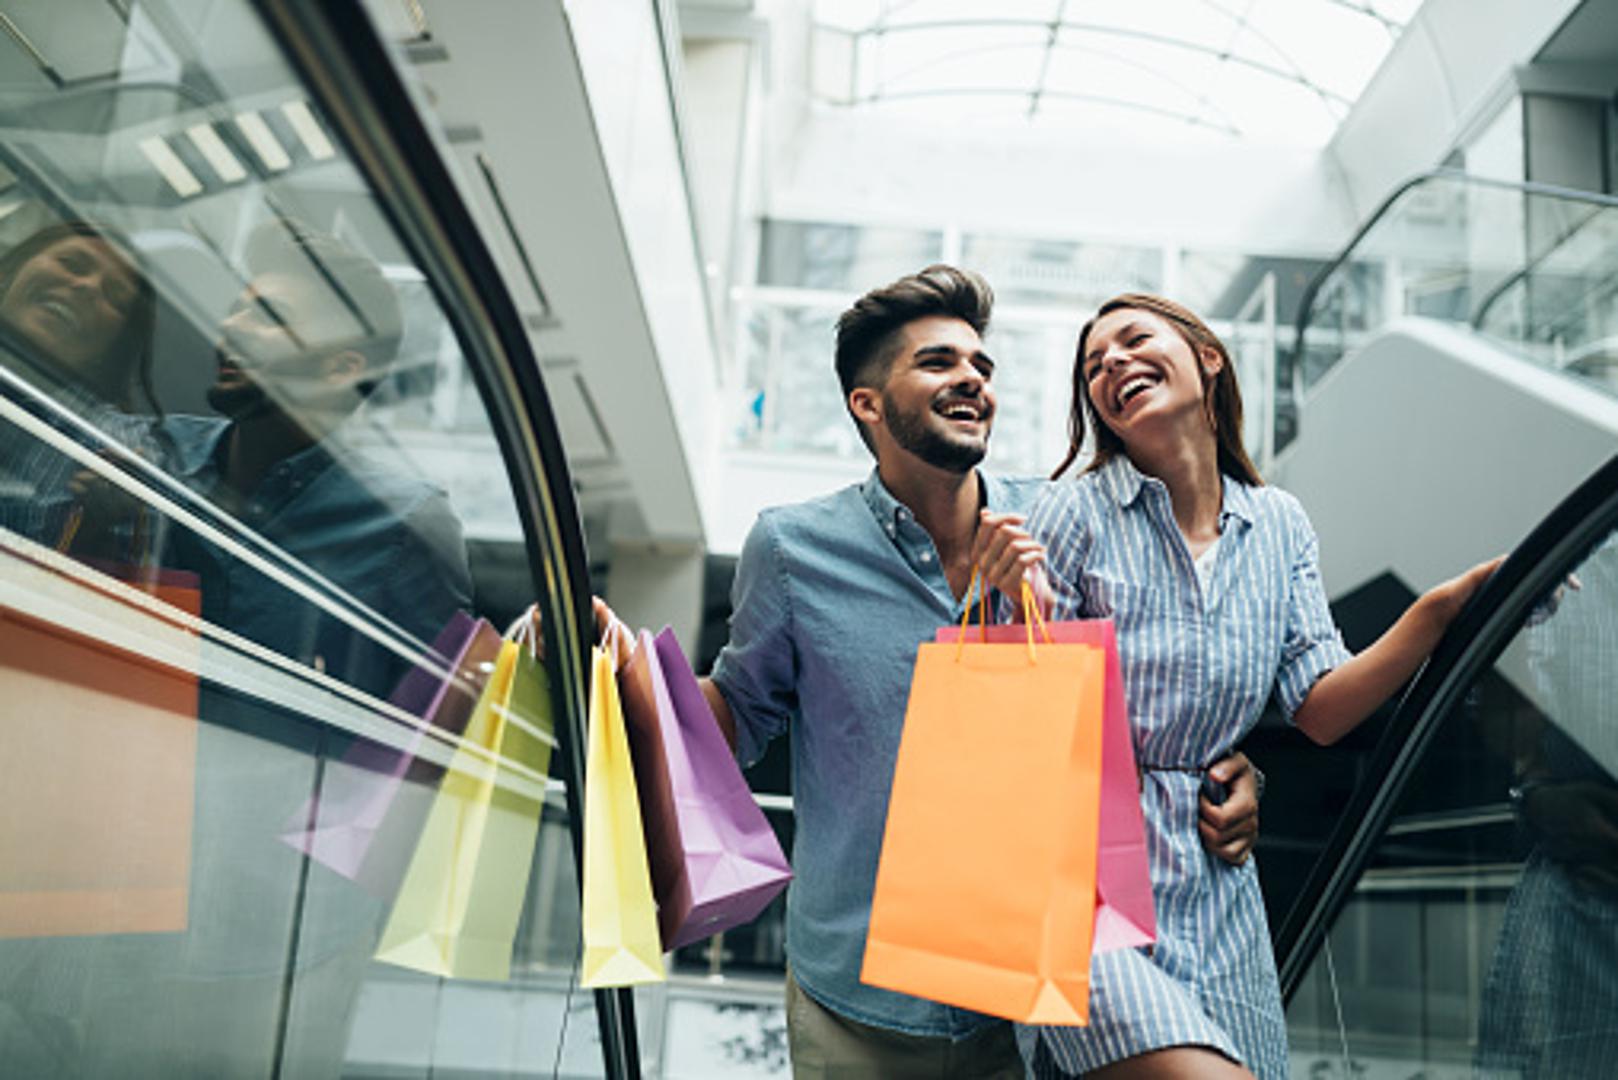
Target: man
(831,599)
(307,340)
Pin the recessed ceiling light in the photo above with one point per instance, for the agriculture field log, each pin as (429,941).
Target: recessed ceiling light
(308,128)
(166,161)
(218,155)
(263,141)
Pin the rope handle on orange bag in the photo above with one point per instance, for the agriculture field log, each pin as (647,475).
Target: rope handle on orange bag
(1031,615)
(1030,607)
(966,610)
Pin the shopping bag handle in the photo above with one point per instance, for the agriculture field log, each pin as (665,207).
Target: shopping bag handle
(524,630)
(976,582)
(1030,608)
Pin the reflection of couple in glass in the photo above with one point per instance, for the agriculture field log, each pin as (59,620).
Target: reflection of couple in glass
(266,948)
(313,331)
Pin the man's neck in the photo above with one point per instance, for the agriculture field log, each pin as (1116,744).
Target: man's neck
(254,444)
(945,504)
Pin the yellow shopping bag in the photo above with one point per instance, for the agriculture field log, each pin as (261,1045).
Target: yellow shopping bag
(456,914)
(621,942)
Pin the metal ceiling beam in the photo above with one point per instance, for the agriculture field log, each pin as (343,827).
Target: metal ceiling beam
(1059,95)
(1115,31)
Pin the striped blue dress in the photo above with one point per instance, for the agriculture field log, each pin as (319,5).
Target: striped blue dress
(1199,666)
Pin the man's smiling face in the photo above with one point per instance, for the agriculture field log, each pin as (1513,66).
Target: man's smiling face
(938,399)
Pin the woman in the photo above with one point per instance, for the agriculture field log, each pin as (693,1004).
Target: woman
(76,319)
(1213,581)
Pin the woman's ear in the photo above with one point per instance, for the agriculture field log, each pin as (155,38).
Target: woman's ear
(866,405)
(1212,362)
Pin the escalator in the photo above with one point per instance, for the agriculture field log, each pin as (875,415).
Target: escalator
(257,223)
(1462,919)
(1464,914)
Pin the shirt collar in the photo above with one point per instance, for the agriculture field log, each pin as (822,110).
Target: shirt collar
(890,511)
(201,457)
(1124,482)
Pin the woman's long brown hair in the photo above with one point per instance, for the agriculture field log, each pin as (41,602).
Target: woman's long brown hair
(1222,399)
(133,348)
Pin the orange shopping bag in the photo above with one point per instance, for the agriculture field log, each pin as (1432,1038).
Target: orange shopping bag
(985,892)
(1126,915)
(100,748)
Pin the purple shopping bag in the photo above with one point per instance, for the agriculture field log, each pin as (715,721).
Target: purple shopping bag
(714,858)
(362,820)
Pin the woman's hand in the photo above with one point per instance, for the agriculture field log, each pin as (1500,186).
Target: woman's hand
(1008,556)
(1448,599)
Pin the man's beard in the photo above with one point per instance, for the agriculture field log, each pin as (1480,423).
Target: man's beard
(911,431)
(238,401)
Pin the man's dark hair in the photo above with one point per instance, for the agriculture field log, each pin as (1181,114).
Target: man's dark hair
(290,247)
(868,333)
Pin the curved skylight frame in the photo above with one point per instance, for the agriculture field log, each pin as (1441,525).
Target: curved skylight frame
(1236,52)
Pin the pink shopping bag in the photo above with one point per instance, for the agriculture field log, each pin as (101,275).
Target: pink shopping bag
(1125,916)
(361,822)
(714,858)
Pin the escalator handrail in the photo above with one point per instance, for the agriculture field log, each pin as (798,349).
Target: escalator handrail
(1523,272)
(1472,643)
(352,78)
(1306,303)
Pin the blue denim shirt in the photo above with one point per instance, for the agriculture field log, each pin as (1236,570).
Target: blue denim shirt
(387,539)
(832,597)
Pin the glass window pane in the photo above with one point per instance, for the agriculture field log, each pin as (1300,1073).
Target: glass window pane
(1061,273)
(242,464)
(811,255)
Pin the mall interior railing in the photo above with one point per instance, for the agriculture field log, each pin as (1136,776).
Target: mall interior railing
(1532,266)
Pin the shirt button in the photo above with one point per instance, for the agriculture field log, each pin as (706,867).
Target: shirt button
(891,530)
(926,556)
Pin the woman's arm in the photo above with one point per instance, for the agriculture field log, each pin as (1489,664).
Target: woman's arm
(1346,695)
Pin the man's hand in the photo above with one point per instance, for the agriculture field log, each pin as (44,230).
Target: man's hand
(612,633)
(1230,829)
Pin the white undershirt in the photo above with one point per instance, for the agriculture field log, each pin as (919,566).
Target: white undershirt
(1204,564)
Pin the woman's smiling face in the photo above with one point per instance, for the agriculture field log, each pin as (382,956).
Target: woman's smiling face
(1138,370)
(72,301)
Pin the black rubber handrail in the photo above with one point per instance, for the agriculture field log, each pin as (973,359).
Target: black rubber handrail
(350,75)
(1471,645)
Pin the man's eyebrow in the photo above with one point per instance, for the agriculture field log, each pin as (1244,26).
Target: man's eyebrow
(937,350)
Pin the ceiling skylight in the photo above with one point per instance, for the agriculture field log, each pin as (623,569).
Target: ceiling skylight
(1282,71)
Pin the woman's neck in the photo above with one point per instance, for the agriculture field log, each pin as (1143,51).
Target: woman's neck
(1189,468)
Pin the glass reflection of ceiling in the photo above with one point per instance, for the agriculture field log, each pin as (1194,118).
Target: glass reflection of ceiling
(1275,71)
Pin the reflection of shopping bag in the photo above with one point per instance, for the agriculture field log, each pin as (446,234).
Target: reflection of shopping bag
(985,892)
(100,746)
(714,858)
(352,823)
(456,913)
(621,944)
(1125,916)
